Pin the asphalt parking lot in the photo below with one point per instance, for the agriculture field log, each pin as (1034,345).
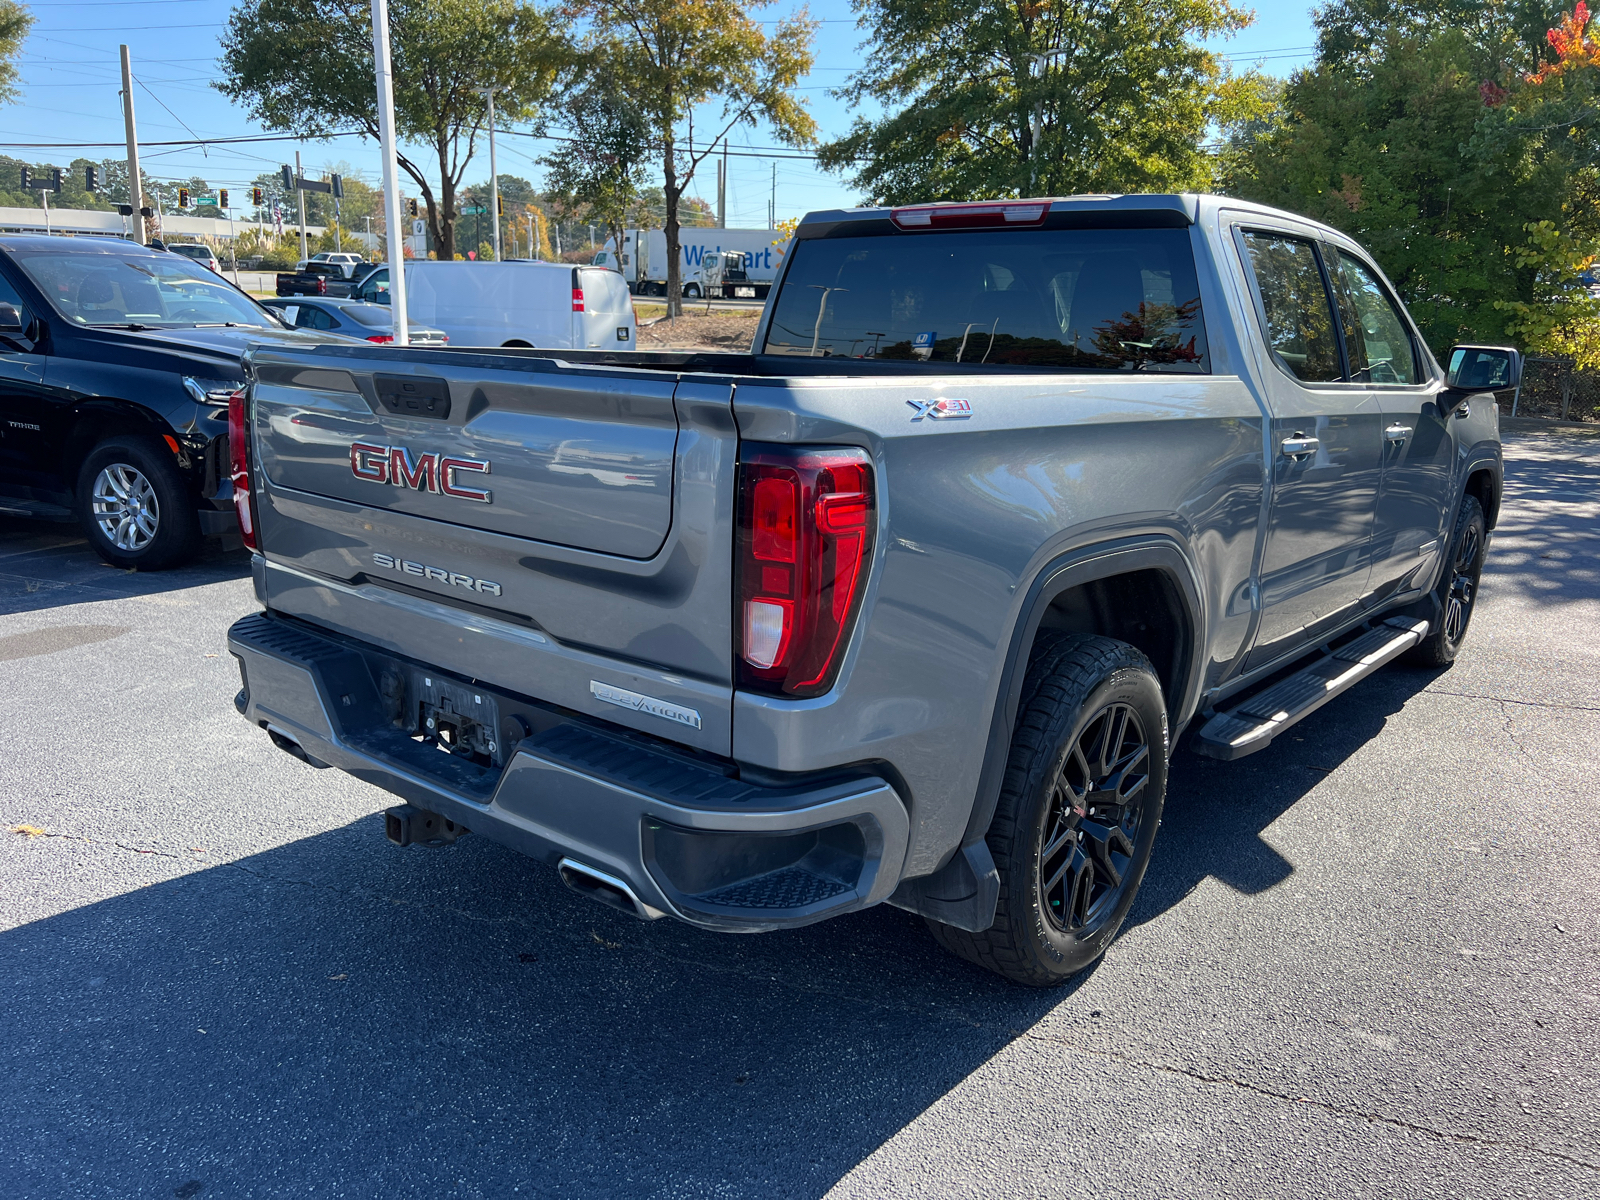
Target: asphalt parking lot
(1366,962)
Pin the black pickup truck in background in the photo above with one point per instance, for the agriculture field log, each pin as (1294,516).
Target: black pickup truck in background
(323,279)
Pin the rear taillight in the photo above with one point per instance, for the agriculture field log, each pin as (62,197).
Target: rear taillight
(383,339)
(239,466)
(806,519)
(577,299)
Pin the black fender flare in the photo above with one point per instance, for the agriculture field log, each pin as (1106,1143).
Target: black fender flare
(964,891)
(1076,567)
(1479,460)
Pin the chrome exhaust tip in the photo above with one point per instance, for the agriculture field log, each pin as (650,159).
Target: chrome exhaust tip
(607,889)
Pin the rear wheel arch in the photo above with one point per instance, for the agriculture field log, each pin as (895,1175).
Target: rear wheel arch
(1142,591)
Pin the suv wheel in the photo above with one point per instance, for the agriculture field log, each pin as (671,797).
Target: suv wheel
(1078,810)
(134,505)
(1457,590)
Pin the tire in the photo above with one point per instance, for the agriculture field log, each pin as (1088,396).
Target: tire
(1067,880)
(1456,594)
(692,291)
(135,507)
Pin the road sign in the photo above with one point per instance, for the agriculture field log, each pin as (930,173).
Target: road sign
(476,210)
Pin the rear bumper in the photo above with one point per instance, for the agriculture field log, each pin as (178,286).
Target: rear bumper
(688,837)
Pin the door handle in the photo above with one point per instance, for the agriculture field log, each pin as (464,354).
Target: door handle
(1397,433)
(1300,446)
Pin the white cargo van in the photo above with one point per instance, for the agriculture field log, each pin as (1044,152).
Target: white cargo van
(545,305)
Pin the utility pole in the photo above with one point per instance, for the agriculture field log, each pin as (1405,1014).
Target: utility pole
(772,205)
(135,195)
(391,188)
(722,187)
(300,195)
(494,178)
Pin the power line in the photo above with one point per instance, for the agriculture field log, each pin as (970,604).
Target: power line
(142,28)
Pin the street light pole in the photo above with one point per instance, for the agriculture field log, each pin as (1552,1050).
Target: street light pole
(494,175)
(391,189)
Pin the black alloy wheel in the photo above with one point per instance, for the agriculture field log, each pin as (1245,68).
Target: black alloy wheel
(1092,821)
(1079,807)
(1456,594)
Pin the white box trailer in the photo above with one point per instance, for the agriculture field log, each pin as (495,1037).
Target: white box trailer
(643,258)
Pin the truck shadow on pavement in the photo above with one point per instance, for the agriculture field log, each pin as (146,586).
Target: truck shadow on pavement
(340,1016)
(1216,811)
(46,564)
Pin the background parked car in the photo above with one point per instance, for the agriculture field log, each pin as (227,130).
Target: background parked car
(349,319)
(347,263)
(197,252)
(545,305)
(117,366)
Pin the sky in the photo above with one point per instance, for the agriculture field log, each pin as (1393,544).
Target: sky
(70,81)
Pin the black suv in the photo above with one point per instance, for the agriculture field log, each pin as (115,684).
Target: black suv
(116,364)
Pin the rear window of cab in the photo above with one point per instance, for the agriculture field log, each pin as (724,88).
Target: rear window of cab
(1062,299)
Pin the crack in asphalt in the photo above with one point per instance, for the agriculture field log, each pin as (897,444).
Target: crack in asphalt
(1503,700)
(1505,715)
(1467,1139)
(579,939)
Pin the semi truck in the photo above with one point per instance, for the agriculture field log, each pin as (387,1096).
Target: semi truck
(643,257)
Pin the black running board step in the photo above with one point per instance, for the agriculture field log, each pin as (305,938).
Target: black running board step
(1254,724)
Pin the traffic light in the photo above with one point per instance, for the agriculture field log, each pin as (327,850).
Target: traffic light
(55,180)
(336,186)
(256,196)
(288,178)
(91,178)
(499,206)
(183,197)
(222,199)
(411,205)
(27,179)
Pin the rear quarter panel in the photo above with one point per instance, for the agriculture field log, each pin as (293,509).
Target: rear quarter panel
(970,512)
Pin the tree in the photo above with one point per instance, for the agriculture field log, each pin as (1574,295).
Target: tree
(988,98)
(306,66)
(1413,132)
(72,194)
(1553,118)
(15,22)
(600,169)
(677,55)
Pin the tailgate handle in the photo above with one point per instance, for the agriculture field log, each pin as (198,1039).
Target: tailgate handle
(413,395)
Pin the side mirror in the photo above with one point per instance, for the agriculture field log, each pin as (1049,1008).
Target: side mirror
(10,319)
(1483,368)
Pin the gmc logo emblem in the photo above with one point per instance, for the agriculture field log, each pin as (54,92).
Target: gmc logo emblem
(425,473)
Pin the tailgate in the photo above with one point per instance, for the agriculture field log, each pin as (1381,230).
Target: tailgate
(561,531)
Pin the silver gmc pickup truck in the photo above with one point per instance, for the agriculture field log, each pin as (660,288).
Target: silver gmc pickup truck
(910,604)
